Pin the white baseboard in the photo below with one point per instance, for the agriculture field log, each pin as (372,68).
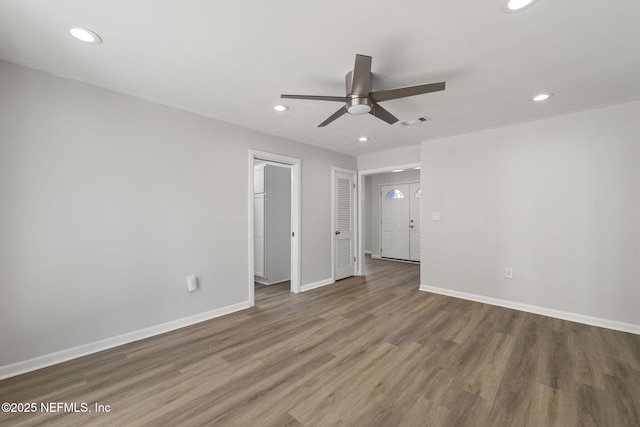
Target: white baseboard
(565,315)
(366,252)
(267,282)
(376,256)
(408,261)
(83,350)
(318,284)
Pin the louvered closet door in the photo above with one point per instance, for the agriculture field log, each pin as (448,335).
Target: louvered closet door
(344,232)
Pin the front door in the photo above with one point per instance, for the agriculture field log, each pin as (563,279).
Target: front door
(414,220)
(395,221)
(400,218)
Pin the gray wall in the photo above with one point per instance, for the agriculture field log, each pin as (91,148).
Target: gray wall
(374,212)
(389,159)
(557,200)
(108,202)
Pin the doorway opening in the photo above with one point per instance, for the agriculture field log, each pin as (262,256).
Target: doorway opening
(370,209)
(274,244)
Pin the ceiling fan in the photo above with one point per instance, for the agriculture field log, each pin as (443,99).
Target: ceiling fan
(359,98)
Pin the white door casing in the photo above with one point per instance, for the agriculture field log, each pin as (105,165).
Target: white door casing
(362,174)
(344,225)
(296,209)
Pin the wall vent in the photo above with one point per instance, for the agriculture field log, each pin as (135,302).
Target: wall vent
(415,121)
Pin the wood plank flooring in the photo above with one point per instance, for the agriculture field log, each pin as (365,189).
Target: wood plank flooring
(366,351)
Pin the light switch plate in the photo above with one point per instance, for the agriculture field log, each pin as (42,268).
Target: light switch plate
(436,216)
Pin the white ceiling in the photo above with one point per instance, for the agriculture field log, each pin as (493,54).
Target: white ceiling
(232,60)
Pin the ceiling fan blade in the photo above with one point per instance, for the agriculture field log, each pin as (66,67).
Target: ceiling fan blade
(386,95)
(383,114)
(361,77)
(316,97)
(334,116)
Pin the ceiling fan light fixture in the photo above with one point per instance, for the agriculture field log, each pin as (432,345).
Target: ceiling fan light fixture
(84,34)
(358,106)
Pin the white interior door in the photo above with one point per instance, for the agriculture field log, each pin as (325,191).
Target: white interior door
(344,225)
(414,220)
(394,237)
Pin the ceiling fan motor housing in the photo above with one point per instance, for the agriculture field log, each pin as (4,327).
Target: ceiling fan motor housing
(359,105)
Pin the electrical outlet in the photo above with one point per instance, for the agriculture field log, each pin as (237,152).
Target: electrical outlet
(508,273)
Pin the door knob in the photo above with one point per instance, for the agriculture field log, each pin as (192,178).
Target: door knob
(337,232)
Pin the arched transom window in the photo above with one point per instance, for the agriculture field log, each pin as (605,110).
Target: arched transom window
(394,194)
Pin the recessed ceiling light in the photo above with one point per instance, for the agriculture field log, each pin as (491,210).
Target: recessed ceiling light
(517,5)
(542,97)
(280,108)
(363,139)
(417,168)
(85,35)
(398,170)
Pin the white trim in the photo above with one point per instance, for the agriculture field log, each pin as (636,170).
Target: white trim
(251,270)
(296,219)
(360,245)
(296,212)
(355,240)
(376,256)
(318,284)
(266,282)
(389,169)
(367,252)
(43,361)
(406,261)
(573,317)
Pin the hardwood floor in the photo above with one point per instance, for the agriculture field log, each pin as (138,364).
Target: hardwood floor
(362,352)
(266,295)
